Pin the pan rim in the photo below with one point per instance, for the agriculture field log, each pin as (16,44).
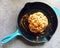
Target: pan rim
(56,25)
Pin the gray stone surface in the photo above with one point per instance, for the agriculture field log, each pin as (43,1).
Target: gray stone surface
(9,10)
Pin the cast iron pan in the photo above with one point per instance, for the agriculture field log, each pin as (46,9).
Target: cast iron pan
(23,29)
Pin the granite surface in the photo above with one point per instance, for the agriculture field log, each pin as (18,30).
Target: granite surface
(9,10)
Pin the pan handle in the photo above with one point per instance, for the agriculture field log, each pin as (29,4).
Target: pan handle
(57,11)
(10,37)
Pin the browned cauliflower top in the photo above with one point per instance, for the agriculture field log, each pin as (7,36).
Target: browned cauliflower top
(37,22)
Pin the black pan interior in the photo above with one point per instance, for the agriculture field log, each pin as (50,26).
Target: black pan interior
(30,8)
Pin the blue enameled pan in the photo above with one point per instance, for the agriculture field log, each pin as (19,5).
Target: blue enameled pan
(23,30)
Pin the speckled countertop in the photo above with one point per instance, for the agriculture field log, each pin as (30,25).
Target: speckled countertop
(9,10)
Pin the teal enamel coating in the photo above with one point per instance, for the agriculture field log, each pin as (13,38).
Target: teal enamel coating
(57,11)
(10,37)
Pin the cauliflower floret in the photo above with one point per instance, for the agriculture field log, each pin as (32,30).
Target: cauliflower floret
(37,22)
